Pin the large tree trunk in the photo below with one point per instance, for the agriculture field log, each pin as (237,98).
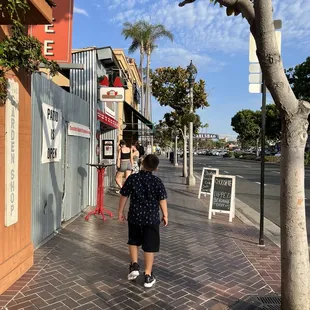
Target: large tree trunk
(294,244)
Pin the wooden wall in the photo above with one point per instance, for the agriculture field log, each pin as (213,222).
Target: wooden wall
(16,249)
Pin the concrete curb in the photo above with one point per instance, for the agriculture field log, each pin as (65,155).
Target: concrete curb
(252,218)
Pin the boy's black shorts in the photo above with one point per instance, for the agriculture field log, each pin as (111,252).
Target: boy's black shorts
(147,236)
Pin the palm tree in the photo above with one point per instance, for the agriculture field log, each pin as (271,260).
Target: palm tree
(153,33)
(144,35)
(137,32)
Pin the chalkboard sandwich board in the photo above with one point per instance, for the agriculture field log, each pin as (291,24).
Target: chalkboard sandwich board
(222,198)
(206,180)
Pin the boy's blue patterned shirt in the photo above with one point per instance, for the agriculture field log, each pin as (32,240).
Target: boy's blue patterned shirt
(145,191)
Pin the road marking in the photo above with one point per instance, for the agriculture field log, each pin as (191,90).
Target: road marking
(226,172)
(277,172)
(259,183)
(240,176)
(210,166)
(247,166)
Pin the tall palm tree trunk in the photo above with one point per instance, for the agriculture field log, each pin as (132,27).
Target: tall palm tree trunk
(142,82)
(147,88)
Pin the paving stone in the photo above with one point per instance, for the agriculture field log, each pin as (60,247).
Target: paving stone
(202,263)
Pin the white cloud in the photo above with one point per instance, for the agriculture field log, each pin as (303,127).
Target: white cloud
(204,27)
(77,10)
(177,56)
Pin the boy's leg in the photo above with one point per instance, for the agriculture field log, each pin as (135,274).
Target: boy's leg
(133,252)
(148,261)
(150,245)
(134,241)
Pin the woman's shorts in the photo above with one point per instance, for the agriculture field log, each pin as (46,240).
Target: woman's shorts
(125,166)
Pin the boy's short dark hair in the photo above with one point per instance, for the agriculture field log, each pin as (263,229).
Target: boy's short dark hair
(150,162)
(122,142)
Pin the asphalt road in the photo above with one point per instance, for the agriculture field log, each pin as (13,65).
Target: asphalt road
(248,183)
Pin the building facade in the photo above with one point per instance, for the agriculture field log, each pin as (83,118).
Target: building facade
(101,69)
(16,247)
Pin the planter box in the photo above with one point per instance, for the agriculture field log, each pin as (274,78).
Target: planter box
(40,13)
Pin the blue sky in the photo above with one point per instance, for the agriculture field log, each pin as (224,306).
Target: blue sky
(217,44)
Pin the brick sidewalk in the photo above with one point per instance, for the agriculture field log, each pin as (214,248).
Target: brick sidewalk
(202,263)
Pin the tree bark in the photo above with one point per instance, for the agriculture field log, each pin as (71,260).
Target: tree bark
(142,82)
(295,290)
(294,244)
(147,88)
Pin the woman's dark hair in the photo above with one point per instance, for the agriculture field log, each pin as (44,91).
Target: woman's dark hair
(122,142)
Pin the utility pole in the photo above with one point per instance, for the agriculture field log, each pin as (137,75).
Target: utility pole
(192,72)
(262,170)
(176,149)
(185,174)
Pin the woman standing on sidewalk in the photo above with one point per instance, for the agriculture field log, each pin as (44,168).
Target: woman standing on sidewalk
(124,163)
(135,156)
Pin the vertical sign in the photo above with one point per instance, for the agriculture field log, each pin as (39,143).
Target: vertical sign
(11,153)
(57,37)
(51,134)
(206,180)
(222,198)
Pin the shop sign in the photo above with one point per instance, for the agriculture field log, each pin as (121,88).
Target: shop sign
(57,37)
(51,134)
(106,119)
(208,136)
(114,94)
(11,153)
(78,130)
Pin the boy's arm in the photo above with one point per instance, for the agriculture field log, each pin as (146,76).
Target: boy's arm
(125,194)
(164,210)
(121,207)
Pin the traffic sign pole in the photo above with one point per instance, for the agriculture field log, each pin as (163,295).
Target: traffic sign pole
(262,171)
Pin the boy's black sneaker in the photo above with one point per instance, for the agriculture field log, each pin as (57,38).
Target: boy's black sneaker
(149,280)
(133,271)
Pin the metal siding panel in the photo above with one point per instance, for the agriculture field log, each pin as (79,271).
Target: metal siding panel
(84,85)
(48,179)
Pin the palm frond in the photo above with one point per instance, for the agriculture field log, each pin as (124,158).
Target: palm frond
(135,44)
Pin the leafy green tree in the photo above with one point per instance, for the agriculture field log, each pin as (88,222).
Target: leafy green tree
(163,134)
(170,88)
(246,123)
(273,123)
(299,79)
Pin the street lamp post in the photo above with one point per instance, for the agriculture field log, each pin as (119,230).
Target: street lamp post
(191,72)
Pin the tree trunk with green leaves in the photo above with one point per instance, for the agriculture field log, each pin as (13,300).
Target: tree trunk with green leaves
(295,276)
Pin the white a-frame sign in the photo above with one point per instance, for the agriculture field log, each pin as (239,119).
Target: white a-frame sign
(222,198)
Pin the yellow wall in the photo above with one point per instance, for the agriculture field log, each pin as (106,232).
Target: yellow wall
(133,77)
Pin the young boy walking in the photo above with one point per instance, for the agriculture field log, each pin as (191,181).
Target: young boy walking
(147,194)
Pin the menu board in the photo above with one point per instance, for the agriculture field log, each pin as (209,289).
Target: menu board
(222,195)
(206,180)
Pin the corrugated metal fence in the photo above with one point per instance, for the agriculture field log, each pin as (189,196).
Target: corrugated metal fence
(59,190)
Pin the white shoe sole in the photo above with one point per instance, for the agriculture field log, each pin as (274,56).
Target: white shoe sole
(148,285)
(133,275)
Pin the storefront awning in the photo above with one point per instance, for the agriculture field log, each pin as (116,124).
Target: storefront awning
(143,119)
